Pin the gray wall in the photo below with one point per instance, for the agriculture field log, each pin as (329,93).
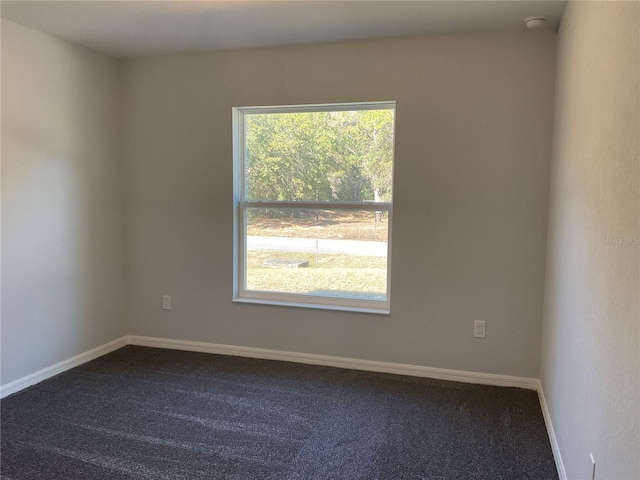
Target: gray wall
(474,122)
(590,349)
(62,208)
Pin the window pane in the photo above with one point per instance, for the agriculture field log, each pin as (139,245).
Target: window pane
(328,253)
(319,156)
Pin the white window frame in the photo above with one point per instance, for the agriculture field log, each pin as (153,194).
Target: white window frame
(240,205)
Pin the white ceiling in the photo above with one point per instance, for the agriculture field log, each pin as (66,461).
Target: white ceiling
(128,28)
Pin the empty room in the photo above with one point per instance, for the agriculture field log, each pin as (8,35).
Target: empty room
(320,240)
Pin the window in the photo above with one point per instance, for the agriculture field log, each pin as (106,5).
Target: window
(313,187)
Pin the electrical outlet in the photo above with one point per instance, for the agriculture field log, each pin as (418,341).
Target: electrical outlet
(593,467)
(479,329)
(166,302)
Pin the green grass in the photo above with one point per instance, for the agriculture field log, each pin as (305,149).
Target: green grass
(344,273)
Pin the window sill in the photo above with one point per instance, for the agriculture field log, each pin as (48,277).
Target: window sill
(314,306)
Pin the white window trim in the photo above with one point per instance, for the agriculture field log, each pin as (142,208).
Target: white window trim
(240,294)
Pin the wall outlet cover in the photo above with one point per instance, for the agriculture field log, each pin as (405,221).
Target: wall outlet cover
(479,329)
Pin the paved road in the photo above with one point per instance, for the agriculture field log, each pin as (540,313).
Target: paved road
(310,245)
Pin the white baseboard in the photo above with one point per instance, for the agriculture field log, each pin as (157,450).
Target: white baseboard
(60,367)
(552,435)
(251,352)
(340,362)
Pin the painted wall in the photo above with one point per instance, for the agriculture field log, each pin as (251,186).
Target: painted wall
(473,146)
(591,342)
(62,201)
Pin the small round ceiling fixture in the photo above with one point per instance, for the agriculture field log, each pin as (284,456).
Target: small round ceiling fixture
(535,21)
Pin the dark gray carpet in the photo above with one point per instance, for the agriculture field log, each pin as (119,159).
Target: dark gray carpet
(145,413)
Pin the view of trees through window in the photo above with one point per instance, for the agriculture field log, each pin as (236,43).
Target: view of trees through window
(320,156)
(318,186)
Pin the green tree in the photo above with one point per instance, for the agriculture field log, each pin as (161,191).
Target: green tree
(346,156)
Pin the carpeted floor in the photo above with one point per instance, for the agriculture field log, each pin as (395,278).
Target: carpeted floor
(144,413)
